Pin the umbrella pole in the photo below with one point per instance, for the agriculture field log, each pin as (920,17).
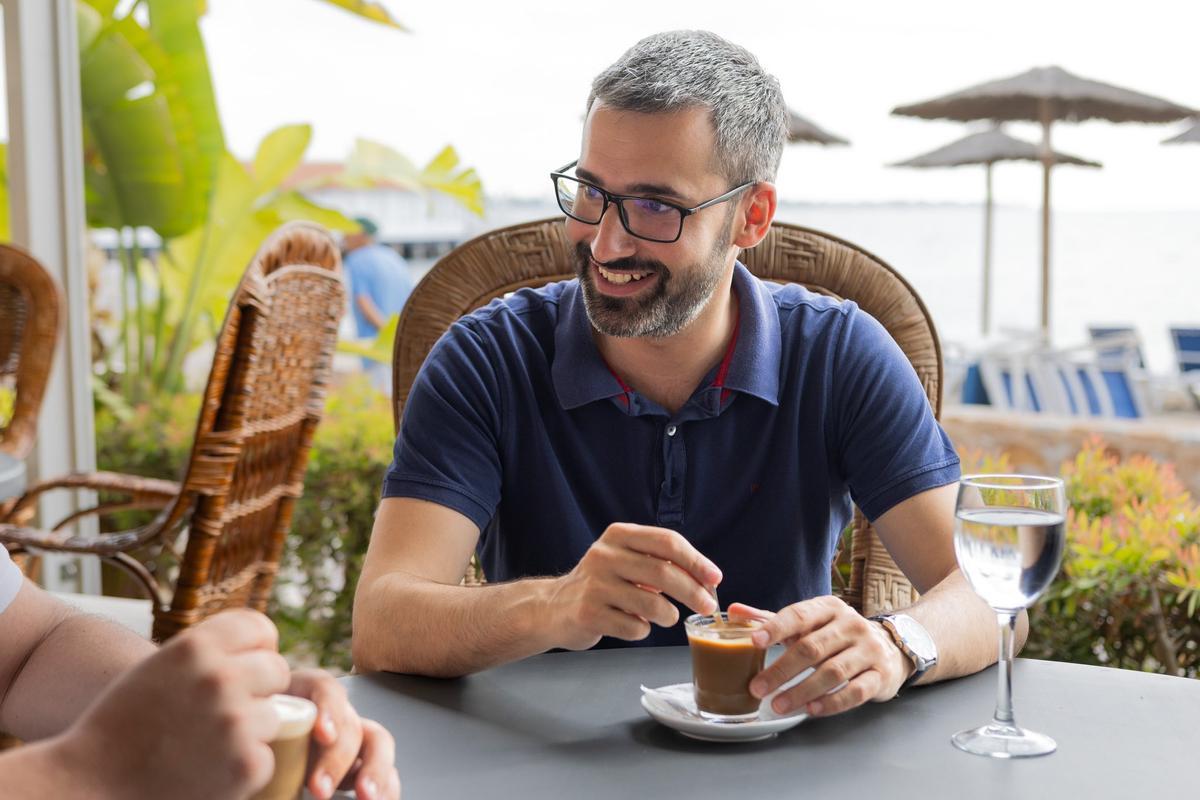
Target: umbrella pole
(986,324)
(1046,163)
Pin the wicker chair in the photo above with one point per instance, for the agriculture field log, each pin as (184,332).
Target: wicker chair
(29,310)
(265,396)
(536,253)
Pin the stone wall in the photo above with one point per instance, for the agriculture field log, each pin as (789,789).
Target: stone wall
(1040,443)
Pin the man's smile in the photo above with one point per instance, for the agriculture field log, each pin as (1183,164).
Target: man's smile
(621,282)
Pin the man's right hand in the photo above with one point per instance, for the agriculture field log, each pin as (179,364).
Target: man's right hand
(191,721)
(618,586)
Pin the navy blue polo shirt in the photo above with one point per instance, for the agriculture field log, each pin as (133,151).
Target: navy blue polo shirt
(516,421)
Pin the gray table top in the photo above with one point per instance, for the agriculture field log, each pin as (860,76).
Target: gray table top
(569,725)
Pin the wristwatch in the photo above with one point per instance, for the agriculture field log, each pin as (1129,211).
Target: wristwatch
(913,640)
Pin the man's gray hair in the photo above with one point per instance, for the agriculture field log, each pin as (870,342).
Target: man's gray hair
(679,70)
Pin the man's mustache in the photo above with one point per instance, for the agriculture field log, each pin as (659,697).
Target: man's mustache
(584,254)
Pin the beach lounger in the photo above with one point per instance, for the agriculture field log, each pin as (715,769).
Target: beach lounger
(1187,358)
(1117,343)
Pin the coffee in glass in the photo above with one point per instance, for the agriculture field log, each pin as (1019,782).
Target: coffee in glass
(724,659)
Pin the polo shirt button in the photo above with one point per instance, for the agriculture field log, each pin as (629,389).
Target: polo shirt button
(670,430)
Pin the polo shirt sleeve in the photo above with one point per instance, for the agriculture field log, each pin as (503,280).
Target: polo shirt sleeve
(10,579)
(447,451)
(887,441)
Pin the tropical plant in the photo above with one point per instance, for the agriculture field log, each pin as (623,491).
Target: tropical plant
(155,159)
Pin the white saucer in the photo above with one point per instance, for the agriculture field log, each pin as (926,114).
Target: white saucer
(658,704)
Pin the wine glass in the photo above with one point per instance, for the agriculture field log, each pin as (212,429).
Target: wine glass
(1009,535)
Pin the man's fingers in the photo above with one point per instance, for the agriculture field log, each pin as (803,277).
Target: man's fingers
(238,630)
(858,691)
(666,577)
(620,625)
(645,603)
(666,545)
(259,672)
(741,611)
(805,652)
(329,697)
(378,754)
(794,621)
(830,676)
(337,735)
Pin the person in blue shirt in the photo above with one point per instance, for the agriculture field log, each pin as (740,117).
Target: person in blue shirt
(379,284)
(615,446)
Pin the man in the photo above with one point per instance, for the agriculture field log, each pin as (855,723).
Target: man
(379,288)
(668,423)
(116,719)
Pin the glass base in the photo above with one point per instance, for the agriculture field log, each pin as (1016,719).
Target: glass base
(1003,741)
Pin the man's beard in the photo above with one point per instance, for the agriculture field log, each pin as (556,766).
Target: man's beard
(669,308)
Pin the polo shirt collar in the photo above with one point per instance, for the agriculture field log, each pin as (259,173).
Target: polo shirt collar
(581,375)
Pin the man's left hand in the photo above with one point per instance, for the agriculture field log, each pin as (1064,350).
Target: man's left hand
(347,751)
(854,659)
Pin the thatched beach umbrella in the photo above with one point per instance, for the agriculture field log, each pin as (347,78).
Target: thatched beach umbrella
(986,148)
(1190,136)
(803,130)
(1044,95)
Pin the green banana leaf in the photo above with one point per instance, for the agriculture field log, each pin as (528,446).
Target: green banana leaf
(246,207)
(378,349)
(367,10)
(176,26)
(144,161)
(374,164)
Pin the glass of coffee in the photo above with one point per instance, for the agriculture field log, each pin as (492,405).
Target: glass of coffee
(290,746)
(724,659)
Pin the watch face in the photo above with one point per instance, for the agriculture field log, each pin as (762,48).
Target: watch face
(915,636)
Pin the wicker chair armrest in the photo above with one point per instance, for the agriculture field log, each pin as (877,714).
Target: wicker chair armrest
(19,538)
(146,492)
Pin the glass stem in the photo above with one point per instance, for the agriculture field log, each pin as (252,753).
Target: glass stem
(1003,717)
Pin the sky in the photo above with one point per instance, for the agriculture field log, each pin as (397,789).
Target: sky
(505,83)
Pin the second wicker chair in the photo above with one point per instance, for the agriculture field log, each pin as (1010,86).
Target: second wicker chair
(264,399)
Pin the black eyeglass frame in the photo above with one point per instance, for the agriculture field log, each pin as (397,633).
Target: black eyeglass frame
(619,201)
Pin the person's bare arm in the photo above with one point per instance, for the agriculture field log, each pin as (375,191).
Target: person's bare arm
(55,661)
(412,615)
(370,310)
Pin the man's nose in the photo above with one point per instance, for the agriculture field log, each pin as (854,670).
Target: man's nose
(611,241)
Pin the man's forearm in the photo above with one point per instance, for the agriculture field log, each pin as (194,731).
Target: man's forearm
(408,624)
(79,656)
(963,626)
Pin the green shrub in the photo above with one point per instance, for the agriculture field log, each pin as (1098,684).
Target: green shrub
(1129,589)
(314,594)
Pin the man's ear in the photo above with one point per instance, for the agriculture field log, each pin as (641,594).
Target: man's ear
(752,223)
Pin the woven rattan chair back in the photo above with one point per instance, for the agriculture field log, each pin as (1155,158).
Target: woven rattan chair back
(536,253)
(264,399)
(29,313)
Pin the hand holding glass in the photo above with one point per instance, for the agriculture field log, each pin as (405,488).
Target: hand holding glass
(1009,536)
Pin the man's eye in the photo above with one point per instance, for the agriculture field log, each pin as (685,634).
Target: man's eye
(648,206)
(591,192)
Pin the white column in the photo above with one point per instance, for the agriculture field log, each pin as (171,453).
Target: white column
(45,171)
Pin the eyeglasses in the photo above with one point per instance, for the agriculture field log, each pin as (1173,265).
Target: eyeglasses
(643,217)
